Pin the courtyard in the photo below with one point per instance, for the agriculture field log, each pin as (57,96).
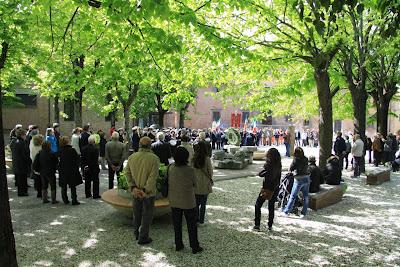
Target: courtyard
(361,230)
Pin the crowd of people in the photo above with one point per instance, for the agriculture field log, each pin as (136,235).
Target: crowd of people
(187,153)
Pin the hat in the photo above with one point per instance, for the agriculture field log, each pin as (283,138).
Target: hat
(311,159)
(134,128)
(55,125)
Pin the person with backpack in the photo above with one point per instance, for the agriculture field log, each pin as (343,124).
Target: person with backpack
(270,187)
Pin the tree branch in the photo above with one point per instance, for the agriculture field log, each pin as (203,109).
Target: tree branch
(3,57)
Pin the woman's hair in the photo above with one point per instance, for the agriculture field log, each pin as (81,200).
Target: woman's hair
(200,154)
(185,138)
(298,152)
(76,130)
(181,156)
(46,145)
(64,141)
(37,140)
(273,157)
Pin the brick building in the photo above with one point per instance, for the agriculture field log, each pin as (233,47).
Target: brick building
(40,110)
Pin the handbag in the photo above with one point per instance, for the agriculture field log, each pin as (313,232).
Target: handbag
(266,194)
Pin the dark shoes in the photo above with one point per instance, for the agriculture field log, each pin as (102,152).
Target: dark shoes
(88,196)
(256,228)
(76,202)
(23,195)
(96,197)
(179,248)
(66,202)
(145,241)
(55,202)
(137,235)
(197,250)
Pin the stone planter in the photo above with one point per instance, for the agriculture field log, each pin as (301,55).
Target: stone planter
(124,193)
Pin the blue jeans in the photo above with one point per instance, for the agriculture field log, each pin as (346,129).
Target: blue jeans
(302,184)
(287,145)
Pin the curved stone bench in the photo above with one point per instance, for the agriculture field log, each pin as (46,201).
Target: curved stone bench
(124,204)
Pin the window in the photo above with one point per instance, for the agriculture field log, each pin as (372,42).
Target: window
(216,115)
(69,110)
(306,123)
(245,116)
(27,100)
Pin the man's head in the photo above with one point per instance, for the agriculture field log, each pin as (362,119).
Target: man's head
(21,133)
(339,134)
(145,142)
(92,139)
(160,136)
(202,136)
(356,137)
(115,136)
(86,127)
(311,160)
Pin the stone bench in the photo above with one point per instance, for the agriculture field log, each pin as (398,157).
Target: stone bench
(328,195)
(123,203)
(259,155)
(378,176)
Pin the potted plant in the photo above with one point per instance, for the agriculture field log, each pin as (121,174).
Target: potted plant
(123,187)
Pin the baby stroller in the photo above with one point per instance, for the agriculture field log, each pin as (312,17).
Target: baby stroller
(285,188)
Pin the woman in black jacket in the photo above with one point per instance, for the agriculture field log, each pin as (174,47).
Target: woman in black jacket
(272,175)
(301,181)
(90,167)
(21,162)
(48,166)
(68,170)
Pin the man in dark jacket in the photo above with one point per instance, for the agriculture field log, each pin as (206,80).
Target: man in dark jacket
(340,148)
(316,177)
(161,149)
(83,140)
(90,167)
(135,139)
(21,162)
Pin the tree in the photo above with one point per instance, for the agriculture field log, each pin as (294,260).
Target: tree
(13,17)
(297,31)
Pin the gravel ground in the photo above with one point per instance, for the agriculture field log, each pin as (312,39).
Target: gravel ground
(361,230)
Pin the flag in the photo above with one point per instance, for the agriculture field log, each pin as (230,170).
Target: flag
(254,126)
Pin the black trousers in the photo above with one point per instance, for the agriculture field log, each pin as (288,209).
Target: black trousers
(271,209)
(111,174)
(346,159)
(357,166)
(48,180)
(219,145)
(89,179)
(22,183)
(201,202)
(377,158)
(64,194)
(37,182)
(190,216)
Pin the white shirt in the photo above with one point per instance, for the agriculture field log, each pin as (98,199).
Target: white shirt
(358,148)
(75,143)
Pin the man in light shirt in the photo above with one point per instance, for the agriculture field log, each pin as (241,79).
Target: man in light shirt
(358,152)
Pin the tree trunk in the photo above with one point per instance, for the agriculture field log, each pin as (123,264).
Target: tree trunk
(382,115)
(56,109)
(161,119)
(8,255)
(78,108)
(112,118)
(182,113)
(127,120)
(325,121)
